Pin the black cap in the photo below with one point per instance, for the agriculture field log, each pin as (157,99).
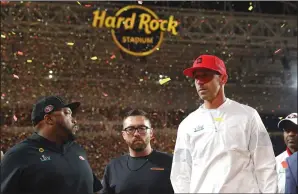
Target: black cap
(47,105)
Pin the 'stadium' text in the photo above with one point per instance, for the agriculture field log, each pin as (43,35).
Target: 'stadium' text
(137,40)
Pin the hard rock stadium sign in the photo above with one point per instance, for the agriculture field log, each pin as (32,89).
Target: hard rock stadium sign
(135,29)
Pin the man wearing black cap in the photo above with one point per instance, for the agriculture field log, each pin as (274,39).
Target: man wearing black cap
(290,132)
(49,162)
(223,146)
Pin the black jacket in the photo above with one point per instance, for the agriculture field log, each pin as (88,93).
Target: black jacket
(38,166)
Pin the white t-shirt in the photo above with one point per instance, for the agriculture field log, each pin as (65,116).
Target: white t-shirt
(227,149)
(281,171)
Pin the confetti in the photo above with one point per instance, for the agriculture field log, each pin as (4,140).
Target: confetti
(15,76)
(140,2)
(280,118)
(250,8)
(113,57)
(70,43)
(282,25)
(79,3)
(94,58)
(277,51)
(163,81)
(104,94)
(3,36)
(87,5)
(29,61)
(20,53)
(15,118)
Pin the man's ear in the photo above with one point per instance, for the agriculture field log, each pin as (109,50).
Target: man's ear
(123,134)
(48,119)
(151,134)
(223,79)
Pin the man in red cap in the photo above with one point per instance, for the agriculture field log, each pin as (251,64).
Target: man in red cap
(223,146)
(289,126)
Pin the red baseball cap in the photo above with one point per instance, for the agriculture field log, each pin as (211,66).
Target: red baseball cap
(206,62)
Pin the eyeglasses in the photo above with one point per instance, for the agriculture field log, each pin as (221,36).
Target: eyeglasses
(142,129)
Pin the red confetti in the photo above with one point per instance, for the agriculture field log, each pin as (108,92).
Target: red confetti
(87,5)
(20,53)
(15,76)
(105,94)
(3,95)
(113,57)
(15,118)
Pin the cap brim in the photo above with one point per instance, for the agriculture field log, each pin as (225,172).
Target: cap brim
(281,124)
(73,106)
(189,71)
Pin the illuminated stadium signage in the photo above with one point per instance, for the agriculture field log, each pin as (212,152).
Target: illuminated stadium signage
(135,29)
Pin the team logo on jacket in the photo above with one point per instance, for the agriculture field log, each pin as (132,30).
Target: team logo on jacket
(45,158)
(81,157)
(199,128)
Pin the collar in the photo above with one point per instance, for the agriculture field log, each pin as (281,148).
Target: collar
(49,144)
(289,152)
(143,157)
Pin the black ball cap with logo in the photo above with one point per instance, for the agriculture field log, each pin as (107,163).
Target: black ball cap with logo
(50,104)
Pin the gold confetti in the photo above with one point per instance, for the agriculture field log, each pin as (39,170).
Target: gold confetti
(70,43)
(29,61)
(250,8)
(41,150)
(3,36)
(79,3)
(94,58)
(163,81)
(280,118)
